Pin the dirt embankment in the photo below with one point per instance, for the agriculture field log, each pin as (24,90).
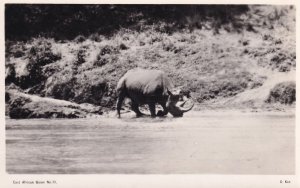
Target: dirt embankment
(250,67)
(21,105)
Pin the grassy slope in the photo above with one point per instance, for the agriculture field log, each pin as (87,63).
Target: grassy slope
(219,69)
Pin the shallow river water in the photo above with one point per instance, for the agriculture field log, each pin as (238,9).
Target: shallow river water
(224,143)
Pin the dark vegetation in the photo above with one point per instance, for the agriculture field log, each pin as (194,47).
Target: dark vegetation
(77,53)
(24,21)
(284,93)
(37,57)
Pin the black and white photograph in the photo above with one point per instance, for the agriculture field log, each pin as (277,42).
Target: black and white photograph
(149,89)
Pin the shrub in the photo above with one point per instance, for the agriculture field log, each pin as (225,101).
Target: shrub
(123,47)
(282,62)
(284,93)
(18,53)
(108,50)
(91,93)
(79,39)
(81,55)
(39,55)
(168,46)
(224,86)
(95,37)
(61,86)
(10,74)
(100,61)
(63,91)
(67,21)
(14,49)
(107,54)
(42,54)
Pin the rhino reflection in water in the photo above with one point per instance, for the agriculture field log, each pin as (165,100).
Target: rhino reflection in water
(150,87)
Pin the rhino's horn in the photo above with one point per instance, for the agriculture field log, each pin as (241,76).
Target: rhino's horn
(183,110)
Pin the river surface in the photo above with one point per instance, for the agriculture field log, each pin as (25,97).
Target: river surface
(212,143)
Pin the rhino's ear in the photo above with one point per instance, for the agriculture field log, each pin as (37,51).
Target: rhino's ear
(169,92)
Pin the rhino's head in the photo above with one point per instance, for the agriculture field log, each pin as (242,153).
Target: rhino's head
(174,106)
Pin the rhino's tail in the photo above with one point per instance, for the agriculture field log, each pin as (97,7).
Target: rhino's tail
(121,94)
(121,84)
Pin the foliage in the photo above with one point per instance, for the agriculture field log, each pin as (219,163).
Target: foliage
(69,21)
(33,59)
(284,93)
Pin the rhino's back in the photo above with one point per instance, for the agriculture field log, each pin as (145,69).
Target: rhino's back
(146,82)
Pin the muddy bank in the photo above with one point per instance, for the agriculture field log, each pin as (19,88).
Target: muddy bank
(22,106)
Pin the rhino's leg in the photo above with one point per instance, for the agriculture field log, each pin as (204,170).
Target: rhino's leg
(135,108)
(152,109)
(162,113)
(119,103)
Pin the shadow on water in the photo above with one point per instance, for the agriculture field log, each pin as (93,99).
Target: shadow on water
(148,119)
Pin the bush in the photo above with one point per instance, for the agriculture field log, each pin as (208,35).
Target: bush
(227,85)
(61,86)
(42,54)
(39,55)
(95,37)
(79,39)
(169,46)
(108,54)
(14,49)
(123,47)
(81,55)
(68,21)
(10,74)
(91,93)
(282,62)
(109,50)
(284,93)
(100,61)
(63,91)
(87,87)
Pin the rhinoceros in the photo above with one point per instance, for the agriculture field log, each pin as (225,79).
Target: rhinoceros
(150,87)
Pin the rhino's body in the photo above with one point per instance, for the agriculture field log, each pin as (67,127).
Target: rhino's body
(147,87)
